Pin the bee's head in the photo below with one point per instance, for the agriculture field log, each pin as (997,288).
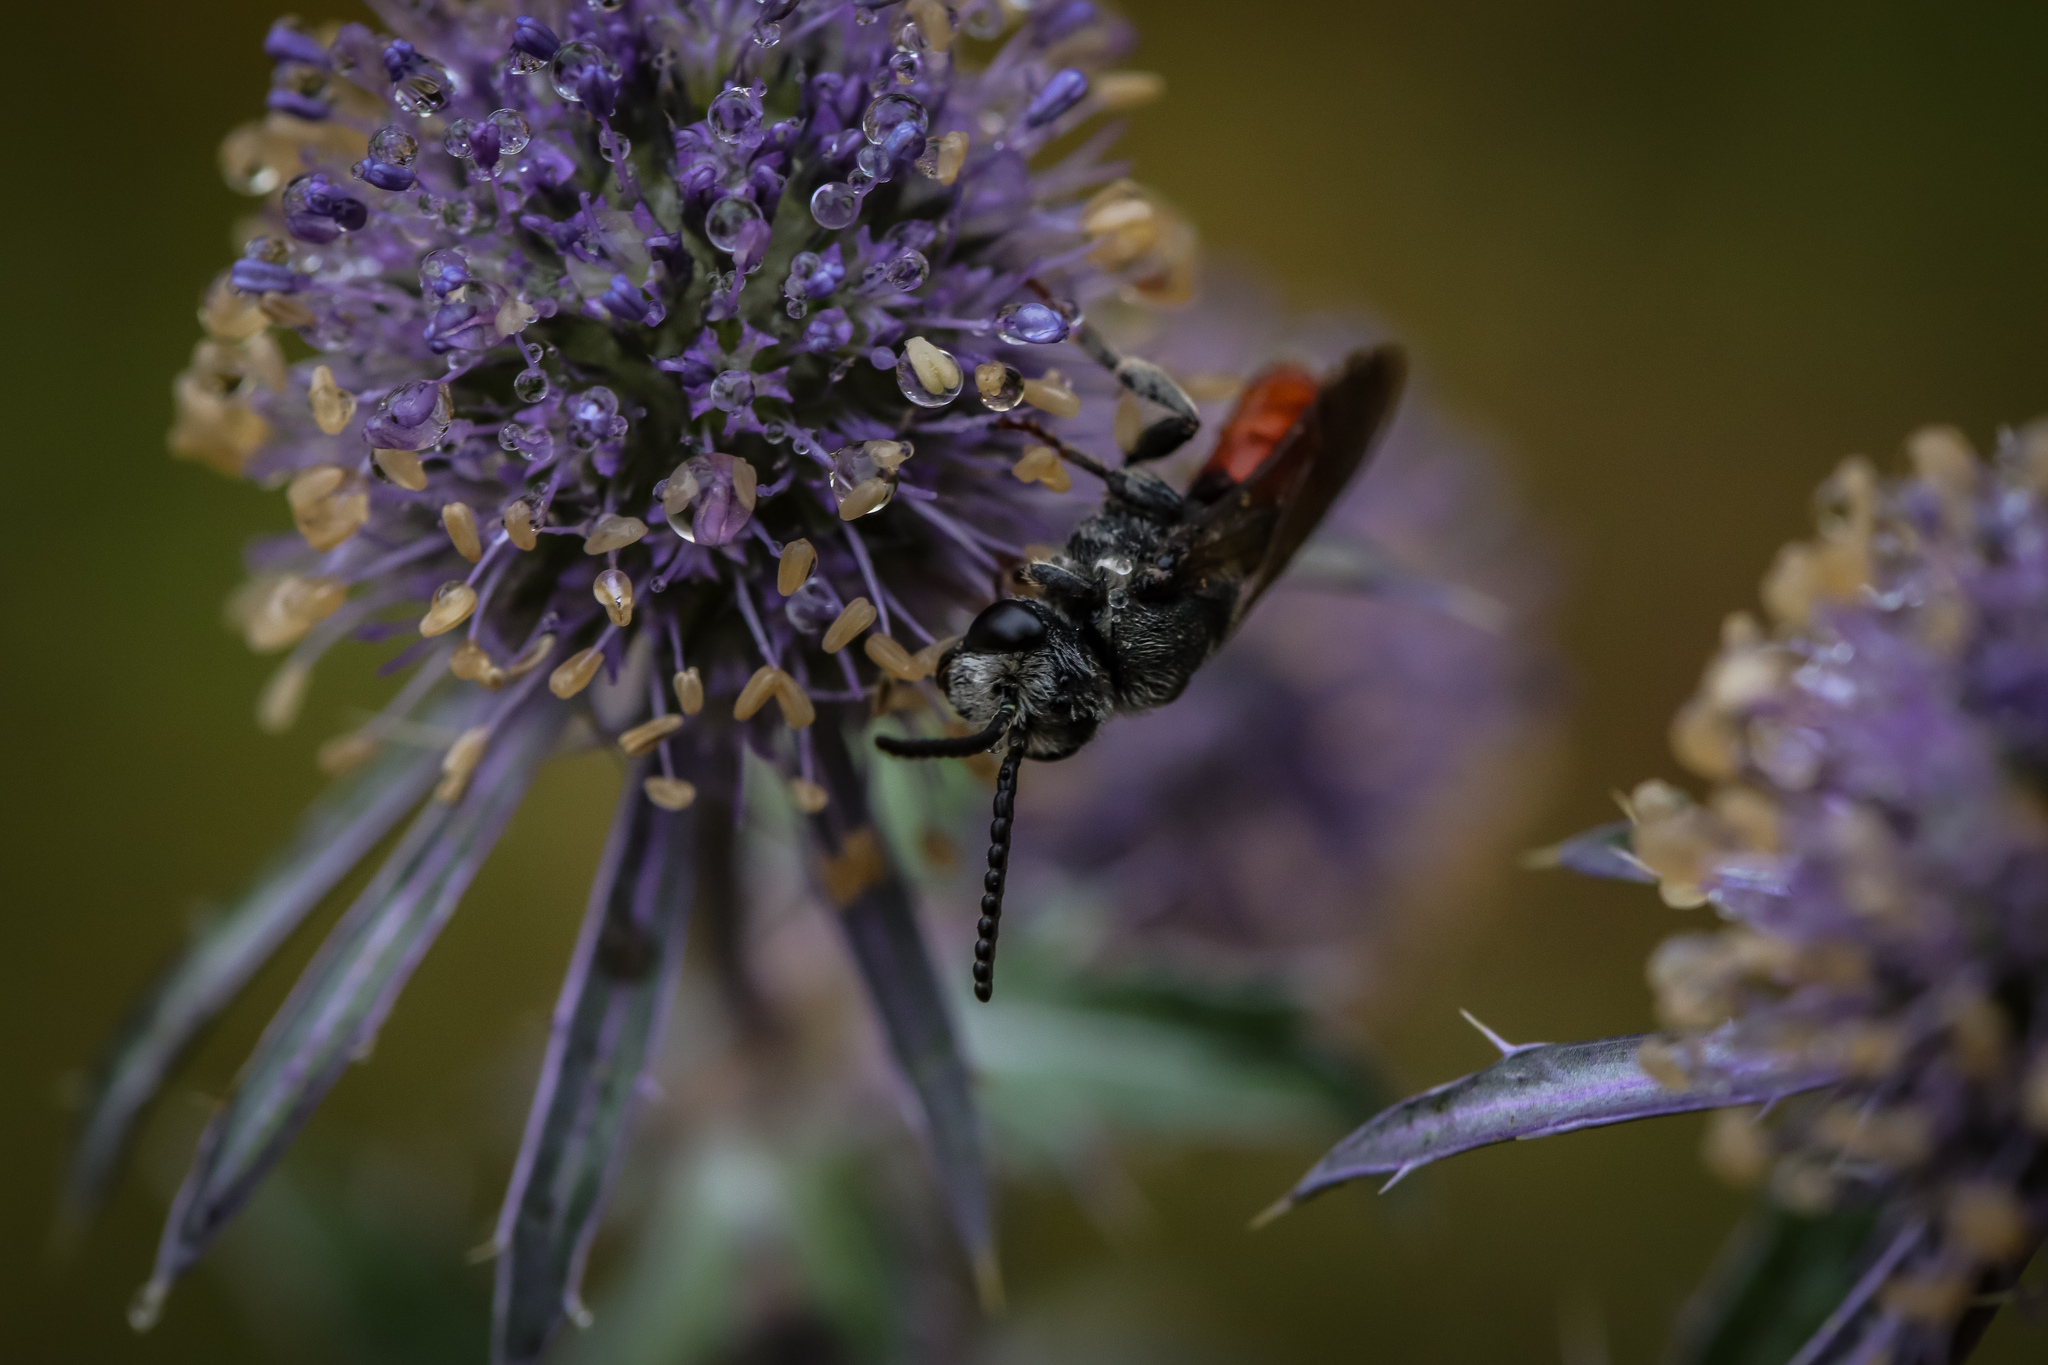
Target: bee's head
(1024,651)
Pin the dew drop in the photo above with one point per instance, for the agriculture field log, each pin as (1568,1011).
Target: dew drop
(423,90)
(1032,324)
(525,63)
(727,223)
(574,63)
(732,390)
(394,146)
(767,35)
(903,275)
(512,129)
(613,146)
(530,443)
(999,386)
(887,111)
(530,386)
(459,216)
(835,204)
(735,113)
(928,376)
(457,144)
(861,486)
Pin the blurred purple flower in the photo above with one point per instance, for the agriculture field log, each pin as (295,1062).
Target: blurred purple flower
(1876,839)
(1327,767)
(1877,845)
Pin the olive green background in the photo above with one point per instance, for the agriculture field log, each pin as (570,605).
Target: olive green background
(1677,259)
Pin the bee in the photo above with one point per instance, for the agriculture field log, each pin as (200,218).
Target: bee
(1153,583)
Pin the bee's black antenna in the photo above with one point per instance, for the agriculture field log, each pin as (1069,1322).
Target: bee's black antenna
(953,746)
(998,865)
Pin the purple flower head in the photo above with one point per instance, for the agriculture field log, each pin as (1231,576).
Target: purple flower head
(1875,843)
(1870,1017)
(571,420)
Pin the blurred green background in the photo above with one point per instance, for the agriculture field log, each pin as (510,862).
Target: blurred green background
(1679,260)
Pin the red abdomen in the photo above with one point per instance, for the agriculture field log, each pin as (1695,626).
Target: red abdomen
(1267,411)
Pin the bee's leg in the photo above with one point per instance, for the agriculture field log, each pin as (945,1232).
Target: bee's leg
(1143,492)
(1057,582)
(1146,381)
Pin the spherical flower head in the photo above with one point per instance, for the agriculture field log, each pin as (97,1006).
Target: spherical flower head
(1875,838)
(647,335)
(1338,761)
(649,366)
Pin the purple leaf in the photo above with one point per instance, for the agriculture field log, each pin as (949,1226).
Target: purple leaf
(606,1028)
(1544,1088)
(882,933)
(333,1013)
(335,835)
(1604,851)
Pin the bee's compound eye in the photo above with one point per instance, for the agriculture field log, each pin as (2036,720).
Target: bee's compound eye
(1008,627)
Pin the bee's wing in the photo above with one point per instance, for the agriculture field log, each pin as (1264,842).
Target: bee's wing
(1253,529)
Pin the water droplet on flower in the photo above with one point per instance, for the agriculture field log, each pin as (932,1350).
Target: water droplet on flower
(530,443)
(594,418)
(1033,324)
(423,89)
(732,390)
(835,204)
(526,63)
(887,111)
(457,143)
(606,6)
(577,63)
(863,17)
(903,274)
(775,433)
(729,220)
(860,485)
(735,113)
(459,215)
(530,386)
(613,146)
(512,129)
(1000,387)
(859,179)
(443,272)
(767,35)
(927,375)
(394,146)
(796,307)
(614,592)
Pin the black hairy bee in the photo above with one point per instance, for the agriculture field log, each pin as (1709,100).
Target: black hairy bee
(1153,583)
